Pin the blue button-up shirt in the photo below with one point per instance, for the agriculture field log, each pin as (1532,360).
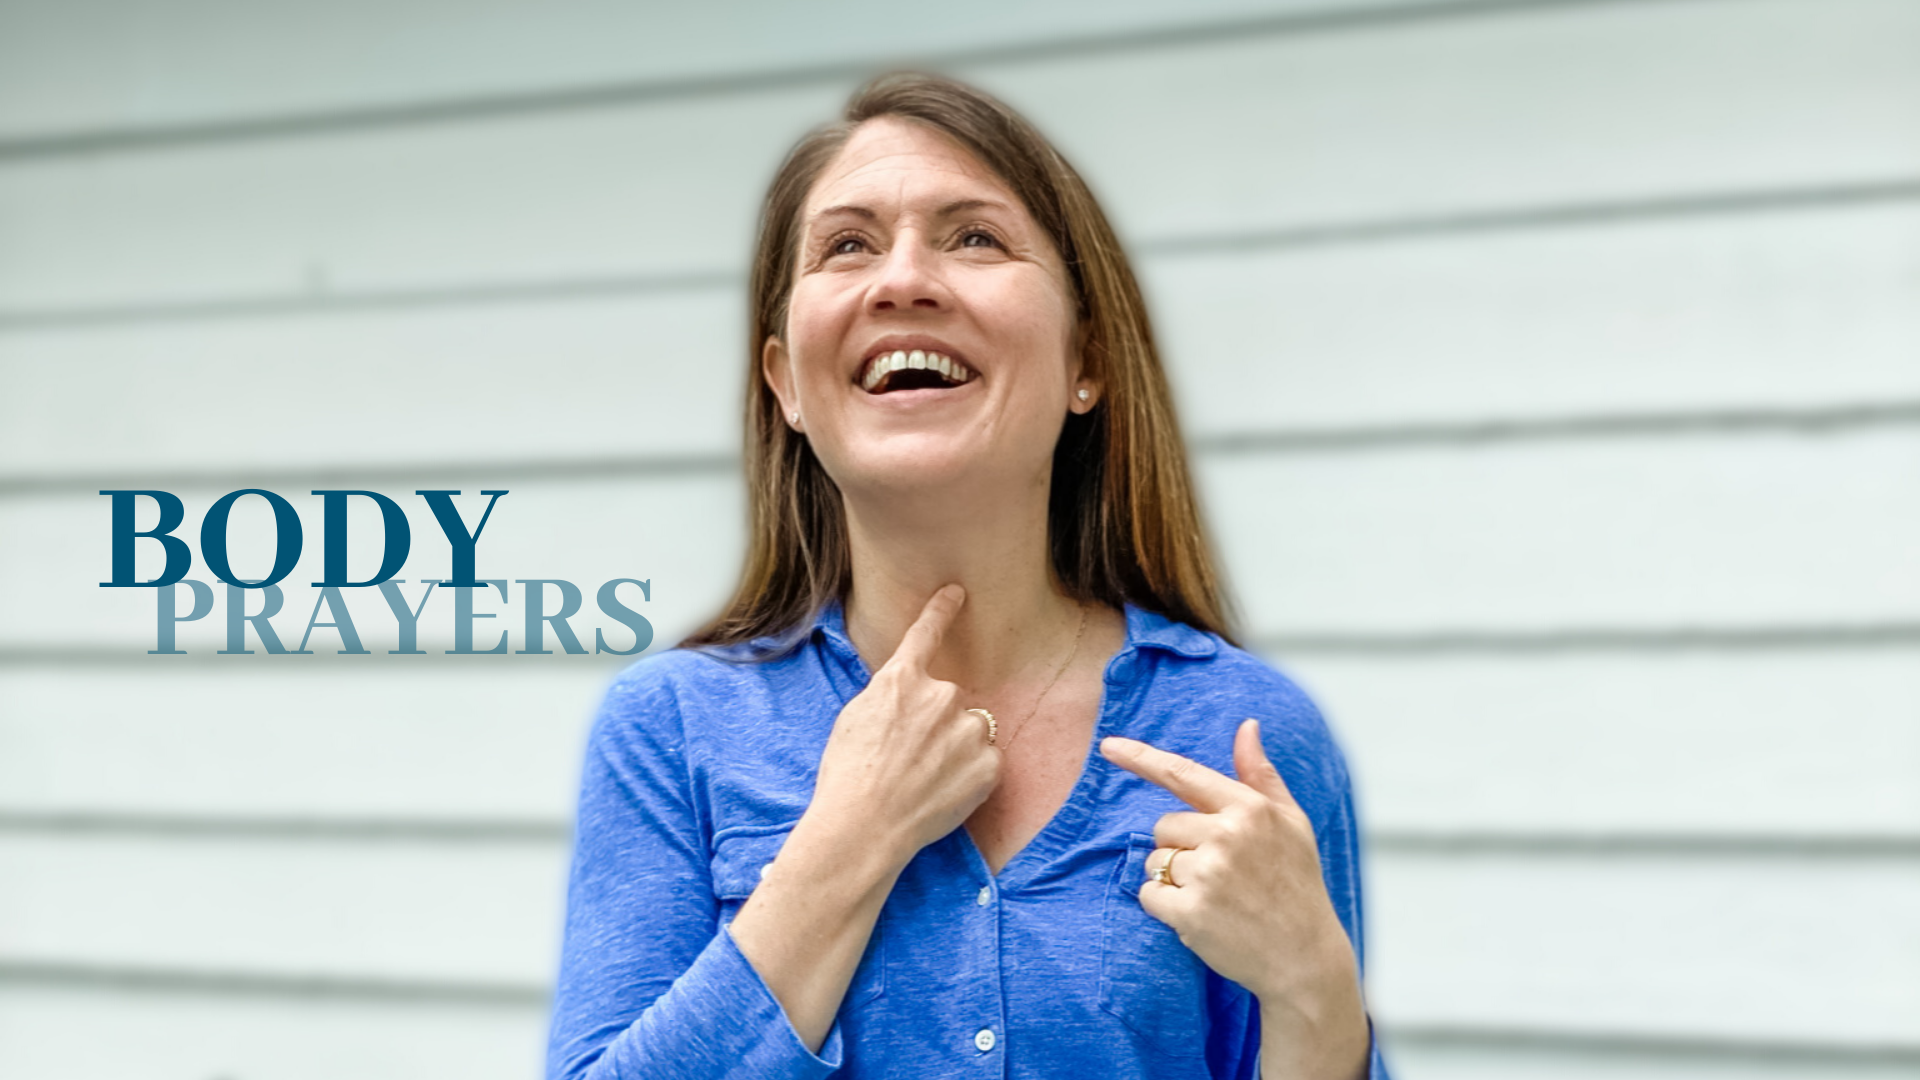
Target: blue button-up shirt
(699,765)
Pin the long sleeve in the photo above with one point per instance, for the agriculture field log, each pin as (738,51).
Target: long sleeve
(1348,846)
(1340,864)
(1316,772)
(651,983)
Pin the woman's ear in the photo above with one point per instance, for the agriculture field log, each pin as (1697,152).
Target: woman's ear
(778,372)
(1086,390)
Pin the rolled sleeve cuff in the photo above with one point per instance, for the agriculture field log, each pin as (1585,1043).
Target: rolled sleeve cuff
(730,1025)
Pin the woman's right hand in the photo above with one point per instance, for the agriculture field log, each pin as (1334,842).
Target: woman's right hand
(904,756)
(903,766)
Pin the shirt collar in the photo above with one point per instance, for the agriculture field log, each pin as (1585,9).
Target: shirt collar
(1150,629)
(1145,630)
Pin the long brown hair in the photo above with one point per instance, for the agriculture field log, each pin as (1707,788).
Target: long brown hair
(1123,524)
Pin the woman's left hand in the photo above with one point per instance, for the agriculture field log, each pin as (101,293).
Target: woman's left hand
(1248,898)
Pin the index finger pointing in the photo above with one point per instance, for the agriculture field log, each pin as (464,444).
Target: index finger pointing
(922,639)
(1197,785)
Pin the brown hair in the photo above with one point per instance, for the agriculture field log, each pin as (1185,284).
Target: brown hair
(1123,523)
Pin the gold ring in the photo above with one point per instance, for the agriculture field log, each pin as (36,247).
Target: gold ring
(993,729)
(1164,872)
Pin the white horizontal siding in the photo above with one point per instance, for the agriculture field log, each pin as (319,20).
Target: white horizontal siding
(1725,947)
(421,387)
(1655,316)
(487,914)
(1216,138)
(1792,743)
(206,63)
(1553,373)
(1694,531)
(1785,744)
(1668,945)
(56,1032)
(684,534)
(1681,532)
(92,1032)
(1517,1056)
(1789,312)
(436,742)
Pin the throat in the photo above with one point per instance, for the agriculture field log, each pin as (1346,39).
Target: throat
(1038,777)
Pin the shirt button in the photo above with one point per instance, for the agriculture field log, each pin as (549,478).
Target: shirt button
(985,897)
(764,867)
(984,1039)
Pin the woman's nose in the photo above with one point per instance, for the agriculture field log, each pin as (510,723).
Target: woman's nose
(907,279)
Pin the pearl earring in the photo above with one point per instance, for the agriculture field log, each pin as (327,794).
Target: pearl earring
(794,417)
(1084,395)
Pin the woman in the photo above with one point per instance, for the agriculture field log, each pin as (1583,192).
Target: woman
(859,822)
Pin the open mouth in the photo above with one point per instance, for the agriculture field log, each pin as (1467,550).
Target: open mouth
(913,370)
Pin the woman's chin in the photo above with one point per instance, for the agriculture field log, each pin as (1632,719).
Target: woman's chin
(915,467)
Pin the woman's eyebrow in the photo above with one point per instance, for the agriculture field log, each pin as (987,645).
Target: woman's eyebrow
(856,211)
(964,206)
(958,206)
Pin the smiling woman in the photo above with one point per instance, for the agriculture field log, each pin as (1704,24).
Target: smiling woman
(910,249)
(911,805)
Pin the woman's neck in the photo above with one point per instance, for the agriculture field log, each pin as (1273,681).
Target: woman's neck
(1016,620)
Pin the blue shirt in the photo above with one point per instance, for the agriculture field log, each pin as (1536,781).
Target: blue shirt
(698,767)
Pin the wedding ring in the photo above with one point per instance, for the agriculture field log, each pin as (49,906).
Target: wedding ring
(1164,872)
(993,729)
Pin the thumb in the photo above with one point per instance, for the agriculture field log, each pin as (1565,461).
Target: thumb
(1252,767)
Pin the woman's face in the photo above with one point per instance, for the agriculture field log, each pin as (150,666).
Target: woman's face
(910,245)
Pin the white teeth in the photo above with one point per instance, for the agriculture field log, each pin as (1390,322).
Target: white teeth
(900,360)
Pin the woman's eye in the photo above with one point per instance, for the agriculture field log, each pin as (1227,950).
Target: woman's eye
(846,245)
(987,239)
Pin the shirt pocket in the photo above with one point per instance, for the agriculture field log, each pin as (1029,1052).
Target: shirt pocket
(1149,979)
(741,858)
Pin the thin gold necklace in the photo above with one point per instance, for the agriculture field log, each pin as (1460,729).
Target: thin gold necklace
(1061,670)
